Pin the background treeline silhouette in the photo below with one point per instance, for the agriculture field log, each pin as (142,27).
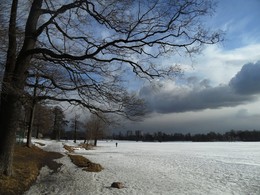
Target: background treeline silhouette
(209,137)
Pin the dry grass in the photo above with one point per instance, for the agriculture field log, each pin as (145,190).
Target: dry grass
(87,165)
(28,163)
(79,161)
(26,166)
(69,148)
(86,146)
(93,167)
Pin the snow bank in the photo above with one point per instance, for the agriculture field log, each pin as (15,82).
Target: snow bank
(157,168)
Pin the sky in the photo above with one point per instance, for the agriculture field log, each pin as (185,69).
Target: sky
(220,88)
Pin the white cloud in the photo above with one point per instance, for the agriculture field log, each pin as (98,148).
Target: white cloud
(219,65)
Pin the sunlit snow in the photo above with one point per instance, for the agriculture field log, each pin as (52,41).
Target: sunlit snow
(157,168)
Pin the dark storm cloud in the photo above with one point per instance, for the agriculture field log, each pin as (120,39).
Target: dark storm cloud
(198,95)
(247,80)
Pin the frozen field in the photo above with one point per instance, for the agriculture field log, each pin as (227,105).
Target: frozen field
(158,168)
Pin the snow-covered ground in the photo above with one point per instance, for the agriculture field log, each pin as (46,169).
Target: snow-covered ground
(157,168)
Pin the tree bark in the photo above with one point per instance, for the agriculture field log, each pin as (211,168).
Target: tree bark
(13,84)
(95,142)
(8,104)
(34,102)
(29,133)
(10,107)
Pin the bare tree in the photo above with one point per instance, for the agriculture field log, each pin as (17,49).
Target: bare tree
(76,125)
(32,112)
(35,88)
(43,120)
(59,122)
(88,45)
(96,127)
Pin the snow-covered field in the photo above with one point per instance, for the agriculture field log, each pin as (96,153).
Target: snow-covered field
(157,168)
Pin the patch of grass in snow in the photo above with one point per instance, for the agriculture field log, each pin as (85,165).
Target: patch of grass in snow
(27,164)
(71,149)
(68,148)
(86,146)
(87,165)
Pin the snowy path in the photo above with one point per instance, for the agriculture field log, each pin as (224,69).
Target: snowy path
(159,168)
(69,180)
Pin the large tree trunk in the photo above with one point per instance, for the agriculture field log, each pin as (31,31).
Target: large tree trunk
(13,83)
(9,114)
(9,103)
(10,109)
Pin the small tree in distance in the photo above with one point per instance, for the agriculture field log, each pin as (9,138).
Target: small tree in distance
(96,127)
(75,125)
(59,122)
(43,120)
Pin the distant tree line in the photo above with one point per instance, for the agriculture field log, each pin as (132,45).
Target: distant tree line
(47,122)
(232,135)
(90,131)
(50,122)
